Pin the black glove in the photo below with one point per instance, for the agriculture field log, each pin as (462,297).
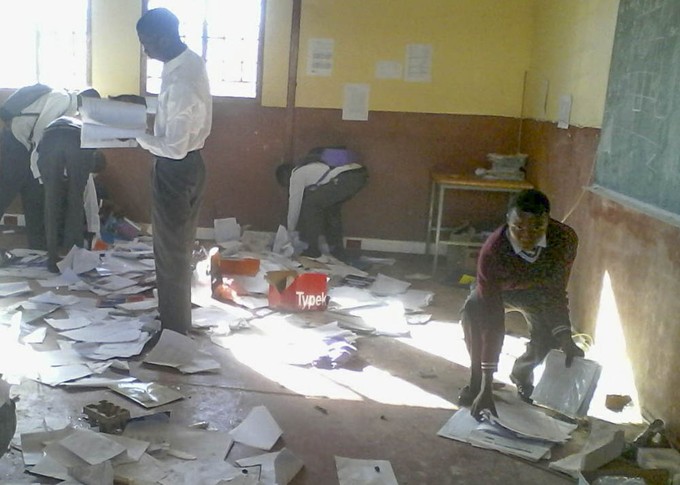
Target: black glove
(571,350)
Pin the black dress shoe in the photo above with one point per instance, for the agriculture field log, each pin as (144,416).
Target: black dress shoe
(524,389)
(466,397)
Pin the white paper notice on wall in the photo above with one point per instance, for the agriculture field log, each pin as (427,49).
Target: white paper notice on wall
(418,63)
(564,111)
(355,102)
(320,57)
(388,70)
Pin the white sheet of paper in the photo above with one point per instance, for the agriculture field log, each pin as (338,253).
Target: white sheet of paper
(320,57)
(387,286)
(51,298)
(568,390)
(106,332)
(200,471)
(92,447)
(12,289)
(227,230)
(418,63)
(388,70)
(37,336)
(145,304)
(203,444)
(176,350)
(53,376)
(364,472)
(66,278)
(282,244)
(204,317)
(459,426)
(79,261)
(355,102)
(61,324)
(33,444)
(276,468)
(146,470)
(123,350)
(258,430)
(495,438)
(530,421)
(108,112)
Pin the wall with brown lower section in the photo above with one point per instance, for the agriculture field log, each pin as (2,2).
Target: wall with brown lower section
(399,149)
(639,254)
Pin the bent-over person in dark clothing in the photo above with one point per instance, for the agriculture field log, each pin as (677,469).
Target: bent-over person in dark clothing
(524,265)
(65,168)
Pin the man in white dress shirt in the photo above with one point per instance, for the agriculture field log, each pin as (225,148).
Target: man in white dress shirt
(183,122)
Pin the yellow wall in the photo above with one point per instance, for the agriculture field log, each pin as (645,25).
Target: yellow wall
(571,53)
(480,53)
(278,23)
(115,48)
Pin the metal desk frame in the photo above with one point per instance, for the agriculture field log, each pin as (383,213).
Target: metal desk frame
(440,183)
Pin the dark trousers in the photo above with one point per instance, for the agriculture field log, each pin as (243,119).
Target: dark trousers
(177,187)
(16,178)
(64,169)
(320,213)
(542,313)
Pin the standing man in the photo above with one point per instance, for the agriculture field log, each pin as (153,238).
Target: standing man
(66,170)
(182,124)
(19,173)
(524,265)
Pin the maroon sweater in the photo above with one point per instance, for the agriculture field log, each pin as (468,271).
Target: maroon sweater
(500,269)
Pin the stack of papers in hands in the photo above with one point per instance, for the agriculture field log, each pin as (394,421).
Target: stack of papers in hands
(567,390)
(109,124)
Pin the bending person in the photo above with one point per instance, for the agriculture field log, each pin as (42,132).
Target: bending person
(524,265)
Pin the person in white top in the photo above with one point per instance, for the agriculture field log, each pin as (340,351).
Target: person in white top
(182,124)
(316,193)
(19,173)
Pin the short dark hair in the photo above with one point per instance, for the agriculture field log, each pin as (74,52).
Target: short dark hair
(159,21)
(530,200)
(283,173)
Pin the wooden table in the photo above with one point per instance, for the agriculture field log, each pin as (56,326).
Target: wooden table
(440,183)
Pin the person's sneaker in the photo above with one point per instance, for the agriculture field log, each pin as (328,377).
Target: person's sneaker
(524,389)
(466,397)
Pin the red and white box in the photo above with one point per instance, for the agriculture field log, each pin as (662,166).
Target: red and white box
(297,292)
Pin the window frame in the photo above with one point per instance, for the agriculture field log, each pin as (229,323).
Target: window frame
(6,91)
(240,99)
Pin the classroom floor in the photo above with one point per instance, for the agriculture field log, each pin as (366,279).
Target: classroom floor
(387,404)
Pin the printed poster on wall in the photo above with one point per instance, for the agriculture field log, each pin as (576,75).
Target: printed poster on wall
(320,57)
(418,63)
(355,102)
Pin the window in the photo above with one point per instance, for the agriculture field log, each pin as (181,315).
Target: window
(44,41)
(226,33)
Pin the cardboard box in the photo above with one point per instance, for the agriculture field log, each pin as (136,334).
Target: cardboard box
(240,266)
(302,292)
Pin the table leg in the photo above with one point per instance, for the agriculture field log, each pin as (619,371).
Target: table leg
(438,229)
(428,237)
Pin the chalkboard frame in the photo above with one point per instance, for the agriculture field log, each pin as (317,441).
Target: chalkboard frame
(639,152)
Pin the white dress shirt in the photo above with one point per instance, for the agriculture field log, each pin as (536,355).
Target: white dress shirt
(315,173)
(184,115)
(50,107)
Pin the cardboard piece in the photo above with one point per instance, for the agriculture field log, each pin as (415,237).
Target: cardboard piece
(291,291)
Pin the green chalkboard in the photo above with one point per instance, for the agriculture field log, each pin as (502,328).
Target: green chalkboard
(639,151)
